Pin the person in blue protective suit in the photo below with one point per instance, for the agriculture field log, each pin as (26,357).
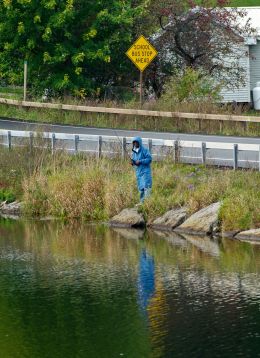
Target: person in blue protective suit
(141,160)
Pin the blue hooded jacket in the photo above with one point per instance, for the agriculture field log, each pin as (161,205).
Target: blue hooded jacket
(143,171)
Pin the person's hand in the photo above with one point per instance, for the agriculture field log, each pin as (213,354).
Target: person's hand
(137,162)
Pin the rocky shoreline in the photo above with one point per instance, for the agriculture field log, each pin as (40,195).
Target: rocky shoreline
(205,222)
(11,210)
(202,223)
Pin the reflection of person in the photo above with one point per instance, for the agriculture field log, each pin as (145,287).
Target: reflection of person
(146,279)
(141,160)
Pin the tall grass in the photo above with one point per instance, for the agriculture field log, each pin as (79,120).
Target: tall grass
(84,188)
(91,189)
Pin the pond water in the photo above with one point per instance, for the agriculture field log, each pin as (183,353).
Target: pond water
(89,291)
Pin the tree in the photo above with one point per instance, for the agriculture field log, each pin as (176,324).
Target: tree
(209,37)
(72,46)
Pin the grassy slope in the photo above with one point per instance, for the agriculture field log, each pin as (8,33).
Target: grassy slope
(82,187)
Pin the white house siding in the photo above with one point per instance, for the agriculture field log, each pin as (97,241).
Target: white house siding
(254,64)
(242,94)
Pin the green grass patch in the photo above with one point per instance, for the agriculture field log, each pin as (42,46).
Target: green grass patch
(11,92)
(245,3)
(7,195)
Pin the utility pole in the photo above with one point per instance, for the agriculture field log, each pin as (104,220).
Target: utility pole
(25,80)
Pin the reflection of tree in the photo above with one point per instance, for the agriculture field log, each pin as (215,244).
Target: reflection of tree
(72,297)
(57,318)
(158,311)
(209,315)
(87,242)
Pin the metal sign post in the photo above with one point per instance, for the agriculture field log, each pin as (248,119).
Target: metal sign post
(141,88)
(25,80)
(141,53)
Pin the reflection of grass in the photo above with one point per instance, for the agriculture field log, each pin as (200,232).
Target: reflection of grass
(71,287)
(234,256)
(97,244)
(84,278)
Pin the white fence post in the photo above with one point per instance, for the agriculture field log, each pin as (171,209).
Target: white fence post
(235,157)
(259,160)
(53,140)
(176,151)
(150,145)
(76,144)
(124,148)
(99,146)
(9,139)
(203,153)
(31,141)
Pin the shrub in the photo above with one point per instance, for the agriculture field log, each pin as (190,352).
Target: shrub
(35,195)
(7,195)
(190,86)
(84,188)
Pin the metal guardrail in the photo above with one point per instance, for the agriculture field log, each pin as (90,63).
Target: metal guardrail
(193,152)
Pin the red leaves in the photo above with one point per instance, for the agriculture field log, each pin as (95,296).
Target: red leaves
(223,3)
(165,12)
(192,3)
(202,36)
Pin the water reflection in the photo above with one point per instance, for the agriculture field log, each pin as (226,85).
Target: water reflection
(87,291)
(146,280)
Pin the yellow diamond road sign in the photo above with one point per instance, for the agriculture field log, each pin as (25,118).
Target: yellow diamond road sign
(141,53)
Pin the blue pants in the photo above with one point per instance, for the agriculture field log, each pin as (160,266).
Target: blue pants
(144,193)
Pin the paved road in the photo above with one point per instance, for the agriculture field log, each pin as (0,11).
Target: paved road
(216,156)
(18,125)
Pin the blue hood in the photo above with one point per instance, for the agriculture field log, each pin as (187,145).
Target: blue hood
(139,140)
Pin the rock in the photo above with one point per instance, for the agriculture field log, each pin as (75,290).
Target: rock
(172,237)
(204,244)
(203,222)
(10,217)
(130,234)
(249,235)
(128,218)
(11,209)
(229,234)
(170,220)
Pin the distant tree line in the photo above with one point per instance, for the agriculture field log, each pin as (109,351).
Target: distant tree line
(77,47)
(72,46)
